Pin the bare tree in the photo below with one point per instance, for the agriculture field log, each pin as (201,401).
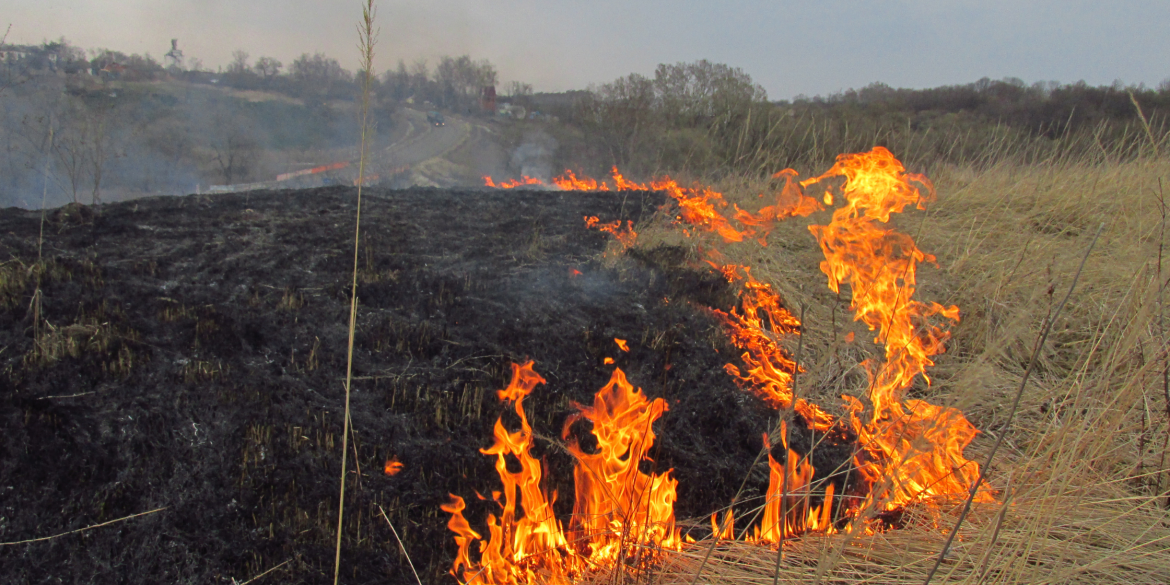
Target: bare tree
(518,89)
(235,149)
(268,67)
(239,64)
(316,75)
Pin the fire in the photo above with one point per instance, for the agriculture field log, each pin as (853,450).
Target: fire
(622,345)
(518,547)
(913,450)
(393,466)
(626,237)
(788,510)
(908,452)
(618,508)
(512,184)
(621,514)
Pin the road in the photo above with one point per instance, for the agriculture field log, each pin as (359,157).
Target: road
(421,141)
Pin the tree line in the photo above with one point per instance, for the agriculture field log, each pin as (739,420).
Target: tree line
(712,119)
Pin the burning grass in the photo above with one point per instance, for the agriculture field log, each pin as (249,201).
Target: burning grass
(1080,490)
(1082,486)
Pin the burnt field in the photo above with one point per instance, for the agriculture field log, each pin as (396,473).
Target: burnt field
(189,354)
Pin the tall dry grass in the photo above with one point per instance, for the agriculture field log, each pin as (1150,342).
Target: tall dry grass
(1081,480)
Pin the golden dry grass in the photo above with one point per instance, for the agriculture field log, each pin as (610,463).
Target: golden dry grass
(1082,468)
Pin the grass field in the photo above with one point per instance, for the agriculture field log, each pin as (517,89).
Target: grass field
(1081,480)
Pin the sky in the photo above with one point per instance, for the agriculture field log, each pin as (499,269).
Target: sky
(790,48)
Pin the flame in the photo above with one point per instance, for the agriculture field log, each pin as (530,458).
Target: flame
(618,511)
(569,182)
(912,451)
(393,466)
(788,510)
(512,184)
(913,448)
(626,237)
(909,451)
(518,548)
(621,343)
(619,508)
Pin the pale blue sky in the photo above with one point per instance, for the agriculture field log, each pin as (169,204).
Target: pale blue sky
(790,48)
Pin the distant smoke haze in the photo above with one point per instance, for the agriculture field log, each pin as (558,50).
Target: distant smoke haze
(788,47)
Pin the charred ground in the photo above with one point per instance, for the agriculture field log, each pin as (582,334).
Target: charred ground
(189,353)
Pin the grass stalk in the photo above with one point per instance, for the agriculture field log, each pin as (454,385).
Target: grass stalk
(1012,411)
(367,38)
(401,546)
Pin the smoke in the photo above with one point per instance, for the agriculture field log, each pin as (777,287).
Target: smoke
(534,156)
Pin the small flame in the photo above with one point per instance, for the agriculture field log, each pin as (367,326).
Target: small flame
(626,237)
(621,343)
(393,466)
(512,184)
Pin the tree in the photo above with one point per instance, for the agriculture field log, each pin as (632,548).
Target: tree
(317,76)
(460,80)
(239,64)
(691,92)
(268,67)
(234,142)
(518,89)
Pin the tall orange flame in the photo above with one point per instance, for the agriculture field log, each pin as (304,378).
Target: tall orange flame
(621,514)
(518,548)
(618,508)
(914,449)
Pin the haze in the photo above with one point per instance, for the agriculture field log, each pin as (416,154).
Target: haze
(790,48)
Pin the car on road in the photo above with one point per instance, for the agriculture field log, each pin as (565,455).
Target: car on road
(435,119)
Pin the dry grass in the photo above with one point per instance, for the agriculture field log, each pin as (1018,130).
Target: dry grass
(1082,478)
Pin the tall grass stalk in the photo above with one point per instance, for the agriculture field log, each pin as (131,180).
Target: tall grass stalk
(1011,411)
(367,38)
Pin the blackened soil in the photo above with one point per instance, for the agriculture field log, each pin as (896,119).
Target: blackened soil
(189,353)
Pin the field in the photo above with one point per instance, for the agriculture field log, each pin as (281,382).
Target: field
(174,374)
(186,355)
